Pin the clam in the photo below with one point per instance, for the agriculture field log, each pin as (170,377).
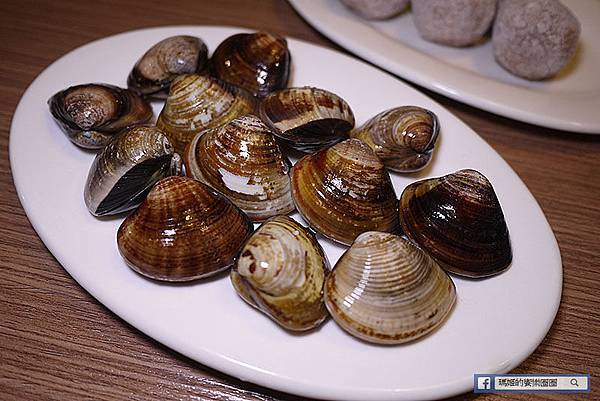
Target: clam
(242,160)
(155,70)
(91,114)
(458,220)
(402,137)
(126,169)
(307,118)
(183,231)
(258,62)
(345,190)
(385,290)
(198,102)
(281,271)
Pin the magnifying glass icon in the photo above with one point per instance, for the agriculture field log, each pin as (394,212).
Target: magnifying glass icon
(574,382)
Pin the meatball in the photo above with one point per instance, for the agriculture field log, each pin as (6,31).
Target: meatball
(376,9)
(453,22)
(534,39)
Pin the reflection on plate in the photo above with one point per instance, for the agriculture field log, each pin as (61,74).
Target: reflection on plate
(470,75)
(496,323)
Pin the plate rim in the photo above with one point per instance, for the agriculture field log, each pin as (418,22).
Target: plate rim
(451,88)
(236,368)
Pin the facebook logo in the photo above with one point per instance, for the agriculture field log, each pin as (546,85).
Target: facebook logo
(484,383)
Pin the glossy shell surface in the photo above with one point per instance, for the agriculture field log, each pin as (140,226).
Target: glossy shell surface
(199,102)
(281,271)
(155,70)
(385,290)
(458,220)
(258,62)
(92,114)
(183,231)
(242,160)
(345,190)
(307,118)
(402,137)
(126,169)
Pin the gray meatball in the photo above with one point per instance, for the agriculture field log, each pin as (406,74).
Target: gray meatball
(376,9)
(534,39)
(453,22)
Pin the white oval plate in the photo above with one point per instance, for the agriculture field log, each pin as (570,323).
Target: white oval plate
(496,323)
(470,75)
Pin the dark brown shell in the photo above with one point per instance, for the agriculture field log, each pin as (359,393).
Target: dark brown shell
(402,137)
(183,231)
(258,62)
(92,114)
(345,190)
(458,220)
(242,160)
(199,102)
(155,70)
(307,118)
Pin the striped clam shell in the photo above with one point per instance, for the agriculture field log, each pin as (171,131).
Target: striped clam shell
(345,190)
(242,160)
(402,137)
(258,62)
(307,118)
(281,271)
(92,114)
(155,70)
(385,290)
(127,168)
(458,220)
(199,102)
(183,231)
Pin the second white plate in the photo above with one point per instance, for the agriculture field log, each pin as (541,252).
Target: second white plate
(470,75)
(496,323)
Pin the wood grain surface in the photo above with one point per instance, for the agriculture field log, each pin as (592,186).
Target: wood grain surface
(58,343)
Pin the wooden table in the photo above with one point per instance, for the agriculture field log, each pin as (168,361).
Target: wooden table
(57,342)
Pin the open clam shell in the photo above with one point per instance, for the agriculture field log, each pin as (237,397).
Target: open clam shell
(127,168)
(458,220)
(199,102)
(155,70)
(92,114)
(258,62)
(385,290)
(183,231)
(307,118)
(242,160)
(402,137)
(281,271)
(345,190)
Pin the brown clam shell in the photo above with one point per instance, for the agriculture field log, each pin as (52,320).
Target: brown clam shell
(345,190)
(307,118)
(127,168)
(281,271)
(402,137)
(458,220)
(258,62)
(155,70)
(199,102)
(92,114)
(242,160)
(183,231)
